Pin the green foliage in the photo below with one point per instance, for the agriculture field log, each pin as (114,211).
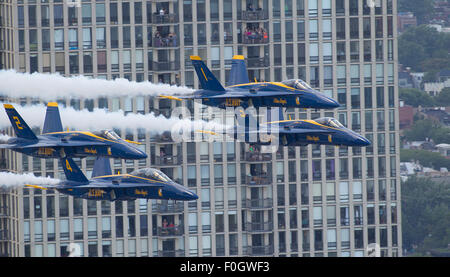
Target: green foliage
(427,128)
(443,98)
(416,97)
(425,214)
(423,48)
(425,158)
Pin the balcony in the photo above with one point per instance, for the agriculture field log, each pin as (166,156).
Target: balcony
(162,138)
(168,160)
(252,37)
(258,15)
(159,19)
(264,250)
(257,203)
(262,180)
(259,227)
(258,62)
(170,253)
(165,66)
(169,41)
(257,157)
(168,208)
(177,230)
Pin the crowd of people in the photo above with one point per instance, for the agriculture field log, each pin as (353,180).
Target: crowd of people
(255,35)
(169,40)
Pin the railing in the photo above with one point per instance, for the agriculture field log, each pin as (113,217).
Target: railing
(255,38)
(258,250)
(165,42)
(258,180)
(165,66)
(257,203)
(177,207)
(170,253)
(168,160)
(176,230)
(258,62)
(259,226)
(164,18)
(4,235)
(254,15)
(257,157)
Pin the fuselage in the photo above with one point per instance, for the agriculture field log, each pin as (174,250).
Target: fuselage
(69,145)
(126,187)
(330,136)
(266,94)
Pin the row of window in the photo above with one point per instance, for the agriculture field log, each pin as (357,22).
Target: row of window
(122,12)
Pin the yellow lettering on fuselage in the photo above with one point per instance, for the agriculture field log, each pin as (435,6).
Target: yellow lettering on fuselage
(160,192)
(96,193)
(313,138)
(279,101)
(141,192)
(231,102)
(92,151)
(45,151)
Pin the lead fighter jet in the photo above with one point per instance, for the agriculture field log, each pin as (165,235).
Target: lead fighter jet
(293,93)
(56,143)
(146,183)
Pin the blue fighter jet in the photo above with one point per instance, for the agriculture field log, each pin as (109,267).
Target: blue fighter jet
(146,183)
(56,143)
(293,93)
(325,130)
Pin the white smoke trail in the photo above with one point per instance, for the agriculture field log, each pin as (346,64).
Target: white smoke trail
(4,138)
(10,180)
(98,119)
(49,87)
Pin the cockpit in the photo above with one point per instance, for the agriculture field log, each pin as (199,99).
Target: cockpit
(297,84)
(107,134)
(151,173)
(330,122)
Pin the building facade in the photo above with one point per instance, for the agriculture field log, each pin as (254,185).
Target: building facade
(299,201)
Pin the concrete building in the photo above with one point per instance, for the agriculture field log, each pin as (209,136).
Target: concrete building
(300,201)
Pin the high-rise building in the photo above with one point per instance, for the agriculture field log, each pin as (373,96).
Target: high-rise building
(299,201)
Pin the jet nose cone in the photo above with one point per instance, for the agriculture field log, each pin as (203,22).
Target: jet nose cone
(362,141)
(189,195)
(137,154)
(329,103)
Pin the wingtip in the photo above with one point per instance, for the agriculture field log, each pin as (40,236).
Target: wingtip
(8,106)
(52,104)
(238,57)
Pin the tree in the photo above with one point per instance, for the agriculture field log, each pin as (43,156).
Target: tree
(425,158)
(443,98)
(416,97)
(425,214)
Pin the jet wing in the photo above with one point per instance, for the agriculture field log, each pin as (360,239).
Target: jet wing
(292,131)
(119,185)
(53,144)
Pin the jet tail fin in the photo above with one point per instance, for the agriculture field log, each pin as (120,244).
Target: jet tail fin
(238,73)
(205,76)
(52,121)
(72,171)
(102,167)
(19,125)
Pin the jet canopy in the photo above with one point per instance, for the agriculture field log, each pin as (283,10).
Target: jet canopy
(297,84)
(151,173)
(107,134)
(330,122)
